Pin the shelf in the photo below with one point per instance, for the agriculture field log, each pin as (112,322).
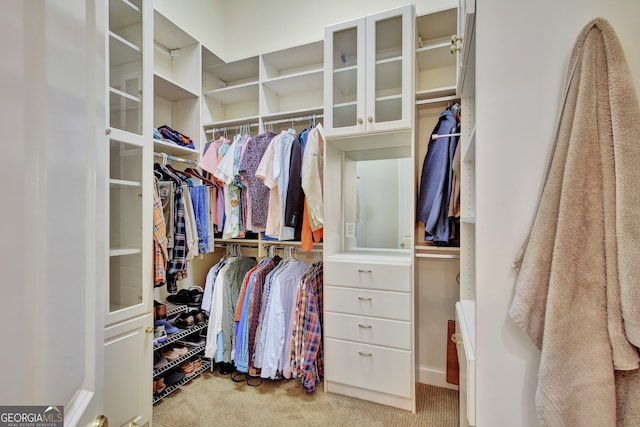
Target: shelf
(205,366)
(182,334)
(172,148)
(438,26)
(432,251)
(123,13)
(235,73)
(435,56)
(113,252)
(293,61)
(297,83)
(231,122)
(122,51)
(121,183)
(235,94)
(283,115)
(436,95)
(468,220)
(165,88)
(174,363)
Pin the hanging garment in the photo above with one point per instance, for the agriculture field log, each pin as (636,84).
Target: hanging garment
(577,294)
(435,182)
(177,264)
(159,239)
(258,192)
(278,309)
(312,179)
(294,196)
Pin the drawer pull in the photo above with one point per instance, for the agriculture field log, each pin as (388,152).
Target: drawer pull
(365,354)
(364,298)
(363,271)
(456,338)
(364,326)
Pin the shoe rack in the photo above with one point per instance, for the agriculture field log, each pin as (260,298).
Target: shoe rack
(196,351)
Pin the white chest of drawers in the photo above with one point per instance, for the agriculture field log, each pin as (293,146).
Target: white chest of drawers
(368,328)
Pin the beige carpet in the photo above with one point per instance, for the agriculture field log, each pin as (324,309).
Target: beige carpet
(213,400)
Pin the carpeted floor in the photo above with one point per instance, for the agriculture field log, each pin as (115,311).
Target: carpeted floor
(214,400)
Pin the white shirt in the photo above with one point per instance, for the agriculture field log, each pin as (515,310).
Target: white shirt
(312,164)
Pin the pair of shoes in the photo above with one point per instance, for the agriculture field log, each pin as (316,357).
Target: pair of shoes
(169,354)
(197,363)
(173,377)
(174,352)
(194,340)
(186,368)
(158,360)
(159,310)
(226,368)
(159,386)
(185,321)
(198,316)
(168,327)
(159,334)
(192,297)
(180,348)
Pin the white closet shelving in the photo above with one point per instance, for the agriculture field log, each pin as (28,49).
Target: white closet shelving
(126,156)
(176,85)
(231,91)
(436,65)
(291,82)
(370,344)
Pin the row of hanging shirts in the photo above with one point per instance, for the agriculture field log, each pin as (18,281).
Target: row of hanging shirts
(271,183)
(183,221)
(438,204)
(265,317)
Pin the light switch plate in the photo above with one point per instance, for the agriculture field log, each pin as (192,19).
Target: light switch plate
(350,229)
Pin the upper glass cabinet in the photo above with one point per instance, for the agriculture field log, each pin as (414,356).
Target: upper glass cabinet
(125,71)
(369,74)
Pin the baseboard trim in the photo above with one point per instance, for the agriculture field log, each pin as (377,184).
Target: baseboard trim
(435,377)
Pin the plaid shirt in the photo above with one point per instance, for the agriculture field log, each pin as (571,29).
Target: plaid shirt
(159,239)
(177,266)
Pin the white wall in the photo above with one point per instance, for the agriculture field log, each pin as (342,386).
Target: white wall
(203,19)
(237,29)
(522,51)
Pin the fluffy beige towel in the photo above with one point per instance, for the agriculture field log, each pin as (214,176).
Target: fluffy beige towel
(578,288)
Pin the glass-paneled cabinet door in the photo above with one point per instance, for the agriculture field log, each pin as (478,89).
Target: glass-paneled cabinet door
(390,86)
(128,260)
(125,65)
(344,85)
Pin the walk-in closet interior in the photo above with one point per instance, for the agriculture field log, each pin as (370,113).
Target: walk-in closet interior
(306,205)
(329,194)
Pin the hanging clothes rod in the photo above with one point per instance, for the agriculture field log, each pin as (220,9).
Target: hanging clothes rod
(296,119)
(224,129)
(283,247)
(436,136)
(175,159)
(441,256)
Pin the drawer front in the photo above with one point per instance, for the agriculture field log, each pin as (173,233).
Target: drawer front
(392,277)
(368,330)
(390,305)
(370,367)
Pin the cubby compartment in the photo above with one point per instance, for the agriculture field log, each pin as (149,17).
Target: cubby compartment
(436,62)
(176,79)
(292,81)
(230,92)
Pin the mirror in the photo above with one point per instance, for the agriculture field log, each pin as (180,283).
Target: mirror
(378,199)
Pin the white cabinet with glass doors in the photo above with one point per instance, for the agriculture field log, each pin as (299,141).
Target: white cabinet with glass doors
(369,74)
